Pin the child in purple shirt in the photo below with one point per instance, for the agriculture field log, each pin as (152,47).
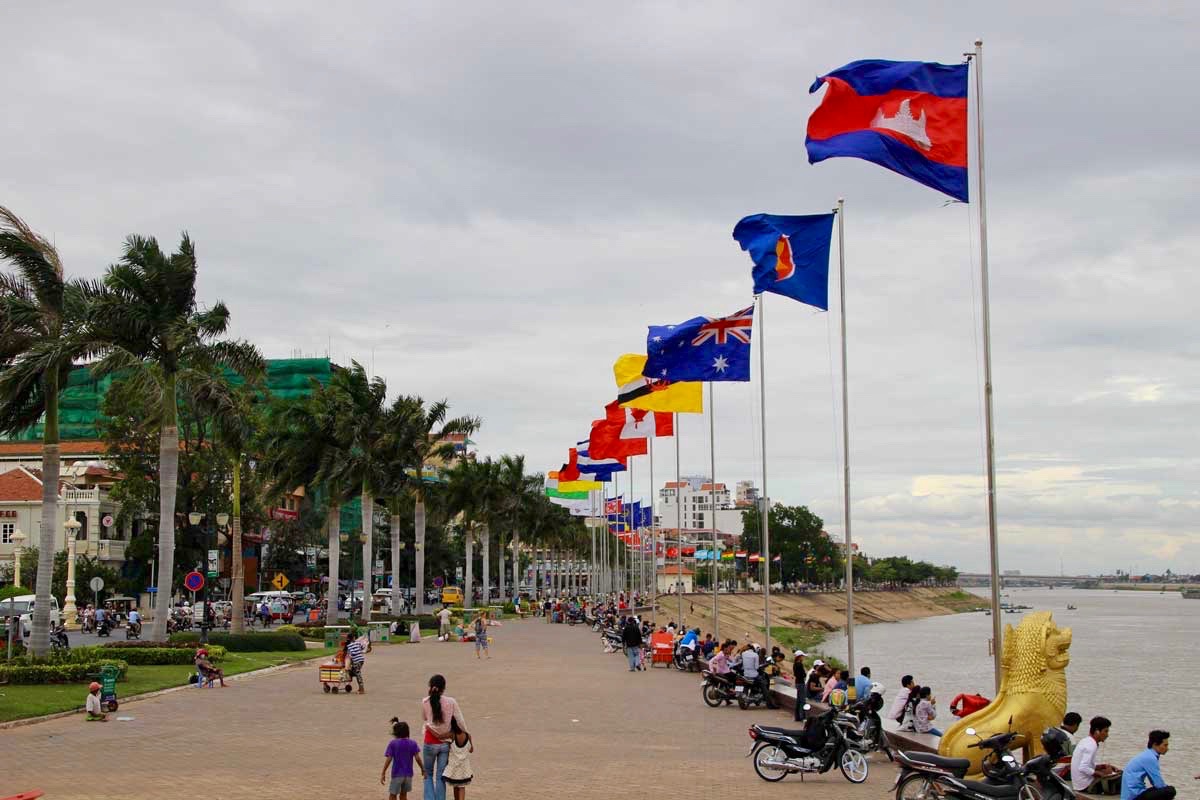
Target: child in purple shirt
(400,754)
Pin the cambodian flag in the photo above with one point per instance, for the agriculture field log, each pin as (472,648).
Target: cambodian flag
(908,116)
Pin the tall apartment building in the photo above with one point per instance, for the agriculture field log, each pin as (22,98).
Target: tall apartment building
(746,494)
(695,499)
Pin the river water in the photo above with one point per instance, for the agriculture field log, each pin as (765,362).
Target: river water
(1133,660)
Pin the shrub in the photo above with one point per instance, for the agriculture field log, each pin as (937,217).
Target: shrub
(14,591)
(136,645)
(509,608)
(39,673)
(424,620)
(246,642)
(314,633)
(158,656)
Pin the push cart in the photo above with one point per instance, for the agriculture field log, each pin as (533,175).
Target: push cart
(333,676)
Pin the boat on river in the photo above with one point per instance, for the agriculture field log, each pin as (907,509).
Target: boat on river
(1191,594)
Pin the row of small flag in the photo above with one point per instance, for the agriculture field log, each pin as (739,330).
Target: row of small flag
(907,116)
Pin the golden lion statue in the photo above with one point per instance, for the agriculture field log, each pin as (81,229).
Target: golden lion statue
(1033,690)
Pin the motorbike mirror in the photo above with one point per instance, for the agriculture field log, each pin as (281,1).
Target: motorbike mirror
(970,731)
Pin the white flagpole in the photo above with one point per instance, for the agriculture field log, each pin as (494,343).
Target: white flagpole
(712,550)
(653,544)
(766,504)
(591,588)
(841,214)
(678,526)
(993,544)
(629,534)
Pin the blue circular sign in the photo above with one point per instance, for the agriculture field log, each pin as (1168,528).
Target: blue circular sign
(193,581)
(438,582)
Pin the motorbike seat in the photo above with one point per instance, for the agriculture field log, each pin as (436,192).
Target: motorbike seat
(1004,790)
(794,733)
(958,766)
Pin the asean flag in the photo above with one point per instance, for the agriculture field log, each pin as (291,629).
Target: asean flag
(908,116)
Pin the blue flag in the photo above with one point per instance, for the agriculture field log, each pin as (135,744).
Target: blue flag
(596,469)
(790,254)
(701,349)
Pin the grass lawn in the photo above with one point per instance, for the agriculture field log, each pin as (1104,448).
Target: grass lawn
(19,702)
(804,639)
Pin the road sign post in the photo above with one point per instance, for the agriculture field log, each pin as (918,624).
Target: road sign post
(280,581)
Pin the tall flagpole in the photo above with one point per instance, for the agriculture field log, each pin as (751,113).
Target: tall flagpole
(993,545)
(765,513)
(712,458)
(841,214)
(678,527)
(653,545)
(629,536)
(591,589)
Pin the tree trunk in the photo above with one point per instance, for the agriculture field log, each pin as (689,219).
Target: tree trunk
(39,640)
(516,567)
(237,572)
(168,482)
(419,526)
(486,589)
(368,524)
(395,596)
(333,521)
(469,570)
(500,567)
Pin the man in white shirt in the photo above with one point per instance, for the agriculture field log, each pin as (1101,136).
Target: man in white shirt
(95,711)
(444,622)
(1086,774)
(896,712)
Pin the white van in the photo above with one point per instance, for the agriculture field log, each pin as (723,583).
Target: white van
(23,605)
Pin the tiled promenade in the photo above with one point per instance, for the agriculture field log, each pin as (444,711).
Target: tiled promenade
(552,716)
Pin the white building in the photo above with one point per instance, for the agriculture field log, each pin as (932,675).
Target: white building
(746,494)
(695,499)
(82,495)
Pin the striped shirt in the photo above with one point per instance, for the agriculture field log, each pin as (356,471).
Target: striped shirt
(356,652)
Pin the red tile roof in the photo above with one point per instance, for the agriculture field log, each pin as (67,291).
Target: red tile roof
(708,487)
(80,448)
(18,484)
(675,484)
(674,570)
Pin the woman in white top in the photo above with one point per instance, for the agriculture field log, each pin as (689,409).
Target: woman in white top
(437,710)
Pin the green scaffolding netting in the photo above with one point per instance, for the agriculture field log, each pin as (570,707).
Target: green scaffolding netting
(79,414)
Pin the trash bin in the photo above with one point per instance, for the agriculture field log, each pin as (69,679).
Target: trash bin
(379,631)
(108,686)
(334,634)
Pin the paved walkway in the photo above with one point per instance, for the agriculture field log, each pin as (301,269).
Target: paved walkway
(552,715)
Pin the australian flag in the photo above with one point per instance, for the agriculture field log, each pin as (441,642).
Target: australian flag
(701,349)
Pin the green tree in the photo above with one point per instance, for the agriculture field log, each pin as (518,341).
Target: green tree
(797,537)
(150,320)
(44,330)
(417,443)
(518,490)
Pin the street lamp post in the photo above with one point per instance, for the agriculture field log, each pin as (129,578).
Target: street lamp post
(70,612)
(18,539)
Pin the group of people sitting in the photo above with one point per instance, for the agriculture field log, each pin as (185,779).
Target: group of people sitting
(914,707)
(1141,779)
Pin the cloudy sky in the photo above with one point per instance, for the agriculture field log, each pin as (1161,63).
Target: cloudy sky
(489,202)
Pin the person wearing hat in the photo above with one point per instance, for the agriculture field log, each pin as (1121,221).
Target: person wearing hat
(814,684)
(95,710)
(207,670)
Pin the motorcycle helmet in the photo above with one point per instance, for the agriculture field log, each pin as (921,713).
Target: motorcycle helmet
(1055,741)
(93,686)
(201,652)
(877,688)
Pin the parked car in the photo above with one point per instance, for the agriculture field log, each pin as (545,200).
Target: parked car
(22,605)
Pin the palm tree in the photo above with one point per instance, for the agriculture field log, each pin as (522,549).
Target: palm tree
(419,438)
(519,490)
(361,462)
(301,447)
(473,494)
(148,317)
(43,332)
(231,411)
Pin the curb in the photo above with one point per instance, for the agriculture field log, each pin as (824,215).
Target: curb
(20,723)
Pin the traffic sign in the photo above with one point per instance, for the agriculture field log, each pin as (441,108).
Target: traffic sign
(193,581)
(214,558)
(438,582)
(97,583)
(107,520)
(280,581)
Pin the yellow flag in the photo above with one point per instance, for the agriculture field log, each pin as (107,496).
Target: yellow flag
(580,486)
(635,391)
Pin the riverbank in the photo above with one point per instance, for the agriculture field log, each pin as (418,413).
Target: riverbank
(803,620)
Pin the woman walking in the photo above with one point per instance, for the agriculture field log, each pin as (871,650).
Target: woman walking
(437,710)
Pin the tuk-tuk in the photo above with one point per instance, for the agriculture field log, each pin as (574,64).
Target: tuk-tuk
(121,605)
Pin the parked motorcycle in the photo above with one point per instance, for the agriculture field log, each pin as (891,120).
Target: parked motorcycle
(758,692)
(924,776)
(717,689)
(868,731)
(815,748)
